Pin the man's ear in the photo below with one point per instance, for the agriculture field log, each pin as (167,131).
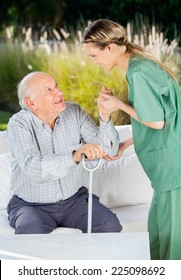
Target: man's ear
(29,102)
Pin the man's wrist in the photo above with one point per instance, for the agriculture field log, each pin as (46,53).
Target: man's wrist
(103,119)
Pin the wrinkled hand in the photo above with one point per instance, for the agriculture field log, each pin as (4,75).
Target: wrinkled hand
(109,103)
(91,151)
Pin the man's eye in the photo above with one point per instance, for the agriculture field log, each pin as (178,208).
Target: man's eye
(48,90)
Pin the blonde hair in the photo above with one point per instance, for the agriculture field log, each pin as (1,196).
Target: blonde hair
(102,32)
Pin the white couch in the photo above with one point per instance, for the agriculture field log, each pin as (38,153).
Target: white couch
(121,185)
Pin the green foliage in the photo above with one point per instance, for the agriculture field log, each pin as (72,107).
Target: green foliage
(4,118)
(15,64)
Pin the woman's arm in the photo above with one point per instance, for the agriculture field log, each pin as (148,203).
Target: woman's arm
(111,103)
(122,146)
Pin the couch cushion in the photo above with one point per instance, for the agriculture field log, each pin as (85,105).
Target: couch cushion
(5,173)
(121,182)
(4,146)
(133,218)
(4,223)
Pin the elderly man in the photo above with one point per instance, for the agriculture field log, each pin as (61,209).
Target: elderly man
(47,140)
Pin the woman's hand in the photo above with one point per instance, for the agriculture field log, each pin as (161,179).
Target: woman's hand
(122,147)
(105,116)
(109,103)
(119,154)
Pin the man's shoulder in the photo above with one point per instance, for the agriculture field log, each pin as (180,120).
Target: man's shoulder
(72,107)
(22,114)
(23,117)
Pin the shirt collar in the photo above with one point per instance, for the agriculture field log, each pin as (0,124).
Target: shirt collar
(38,122)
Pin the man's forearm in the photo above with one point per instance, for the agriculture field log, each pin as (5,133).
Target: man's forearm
(109,138)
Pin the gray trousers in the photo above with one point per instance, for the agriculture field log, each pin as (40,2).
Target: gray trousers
(29,218)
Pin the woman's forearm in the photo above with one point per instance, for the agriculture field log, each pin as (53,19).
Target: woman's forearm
(128,109)
(128,142)
(132,113)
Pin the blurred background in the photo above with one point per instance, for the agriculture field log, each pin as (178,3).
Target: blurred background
(46,36)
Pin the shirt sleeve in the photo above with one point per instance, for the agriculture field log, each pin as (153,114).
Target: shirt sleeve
(29,157)
(104,135)
(147,98)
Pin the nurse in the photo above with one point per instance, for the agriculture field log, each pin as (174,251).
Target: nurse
(155,110)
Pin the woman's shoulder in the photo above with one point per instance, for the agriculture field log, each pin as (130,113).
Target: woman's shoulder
(139,63)
(147,68)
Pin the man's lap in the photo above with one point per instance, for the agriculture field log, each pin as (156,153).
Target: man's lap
(28,217)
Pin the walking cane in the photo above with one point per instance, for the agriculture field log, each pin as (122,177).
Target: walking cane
(89,221)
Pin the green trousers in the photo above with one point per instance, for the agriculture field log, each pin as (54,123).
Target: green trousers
(164,225)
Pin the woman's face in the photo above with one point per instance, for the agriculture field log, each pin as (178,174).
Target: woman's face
(113,55)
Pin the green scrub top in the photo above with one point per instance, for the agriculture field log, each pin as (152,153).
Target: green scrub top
(155,96)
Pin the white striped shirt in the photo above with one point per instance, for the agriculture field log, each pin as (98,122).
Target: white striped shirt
(43,169)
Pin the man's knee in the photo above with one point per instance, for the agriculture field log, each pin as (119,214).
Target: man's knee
(27,220)
(108,225)
(33,227)
(116,226)
(112,226)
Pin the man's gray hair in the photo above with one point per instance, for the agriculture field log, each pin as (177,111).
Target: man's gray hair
(26,89)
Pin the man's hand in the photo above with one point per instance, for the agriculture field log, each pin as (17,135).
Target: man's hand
(91,151)
(104,116)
